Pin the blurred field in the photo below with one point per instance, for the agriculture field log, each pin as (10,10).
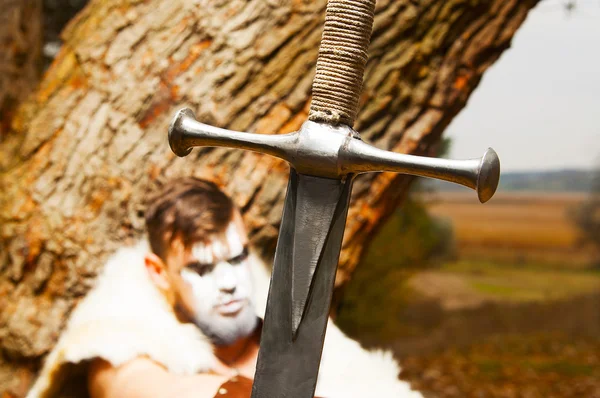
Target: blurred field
(514,312)
(467,284)
(514,227)
(492,330)
(542,365)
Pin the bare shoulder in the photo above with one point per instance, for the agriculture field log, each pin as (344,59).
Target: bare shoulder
(128,380)
(144,378)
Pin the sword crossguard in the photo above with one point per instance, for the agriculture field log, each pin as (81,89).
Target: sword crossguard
(323,150)
(324,155)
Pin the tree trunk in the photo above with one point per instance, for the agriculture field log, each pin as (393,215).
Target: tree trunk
(86,151)
(20,54)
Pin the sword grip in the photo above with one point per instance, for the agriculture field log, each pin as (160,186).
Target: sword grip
(341,64)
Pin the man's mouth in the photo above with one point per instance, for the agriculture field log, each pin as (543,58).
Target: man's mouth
(230,307)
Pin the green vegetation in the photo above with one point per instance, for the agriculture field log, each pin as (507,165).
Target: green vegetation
(587,219)
(525,282)
(494,290)
(374,300)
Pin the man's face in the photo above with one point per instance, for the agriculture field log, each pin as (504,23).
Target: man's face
(213,286)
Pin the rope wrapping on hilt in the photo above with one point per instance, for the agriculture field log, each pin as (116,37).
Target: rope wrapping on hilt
(341,64)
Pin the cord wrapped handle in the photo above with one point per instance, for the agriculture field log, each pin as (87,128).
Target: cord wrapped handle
(341,64)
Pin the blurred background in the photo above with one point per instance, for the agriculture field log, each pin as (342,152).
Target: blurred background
(503,299)
(494,300)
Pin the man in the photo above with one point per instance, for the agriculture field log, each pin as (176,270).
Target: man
(199,262)
(182,319)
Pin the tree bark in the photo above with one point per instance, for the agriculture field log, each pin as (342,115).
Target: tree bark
(84,153)
(21,40)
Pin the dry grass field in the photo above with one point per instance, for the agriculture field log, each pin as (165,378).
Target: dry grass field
(542,365)
(514,227)
(515,314)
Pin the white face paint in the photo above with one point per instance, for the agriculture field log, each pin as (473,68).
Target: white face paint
(219,276)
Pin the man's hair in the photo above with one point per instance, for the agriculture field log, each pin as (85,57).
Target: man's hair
(187,208)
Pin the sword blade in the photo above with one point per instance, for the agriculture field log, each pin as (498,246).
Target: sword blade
(306,258)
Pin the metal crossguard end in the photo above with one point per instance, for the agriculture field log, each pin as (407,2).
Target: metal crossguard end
(177,131)
(323,150)
(488,175)
(186,133)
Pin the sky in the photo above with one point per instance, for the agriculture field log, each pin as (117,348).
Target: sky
(538,106)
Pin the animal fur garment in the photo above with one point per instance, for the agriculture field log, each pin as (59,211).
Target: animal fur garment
(125,317)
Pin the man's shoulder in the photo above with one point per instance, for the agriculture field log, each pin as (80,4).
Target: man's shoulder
(145,378)
(104,379)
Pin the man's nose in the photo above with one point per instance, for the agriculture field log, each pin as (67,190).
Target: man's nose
(226,278)
(228,290)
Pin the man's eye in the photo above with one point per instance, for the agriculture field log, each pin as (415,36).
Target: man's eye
(199,268)
(240,258)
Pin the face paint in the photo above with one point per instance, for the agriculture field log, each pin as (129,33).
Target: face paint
(233,239)
(221,299)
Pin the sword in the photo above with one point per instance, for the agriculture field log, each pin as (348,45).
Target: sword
(324,156)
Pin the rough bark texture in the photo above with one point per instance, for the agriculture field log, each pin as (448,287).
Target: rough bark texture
(20,54)
(84,153)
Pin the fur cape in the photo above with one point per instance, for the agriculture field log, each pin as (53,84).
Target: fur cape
(124,316)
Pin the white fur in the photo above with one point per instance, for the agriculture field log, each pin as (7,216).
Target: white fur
(122,318)
(348,370)
(125,317)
